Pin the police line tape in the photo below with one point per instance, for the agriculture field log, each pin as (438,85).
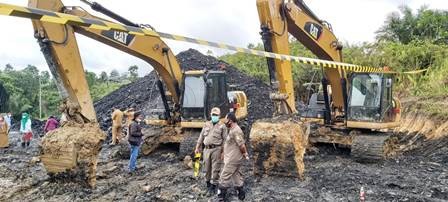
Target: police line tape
(66,19)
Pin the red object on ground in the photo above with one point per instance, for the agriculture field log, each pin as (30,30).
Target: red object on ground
(362,195)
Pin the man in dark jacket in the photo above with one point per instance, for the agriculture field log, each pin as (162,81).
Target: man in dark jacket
(135,139)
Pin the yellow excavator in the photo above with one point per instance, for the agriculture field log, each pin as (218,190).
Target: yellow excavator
(189,97)
(353,109)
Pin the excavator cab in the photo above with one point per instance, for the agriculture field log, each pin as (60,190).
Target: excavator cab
(371,102)
(370,97)
(201,92)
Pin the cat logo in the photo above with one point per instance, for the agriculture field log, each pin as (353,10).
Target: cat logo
(313,29)
(120,37)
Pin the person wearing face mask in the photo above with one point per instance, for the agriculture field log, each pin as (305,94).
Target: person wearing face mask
(234,153)
(212,136)
(135,139)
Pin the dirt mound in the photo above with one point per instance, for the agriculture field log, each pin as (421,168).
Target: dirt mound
(424,133)
(144,95)
(279,148)
(68,149)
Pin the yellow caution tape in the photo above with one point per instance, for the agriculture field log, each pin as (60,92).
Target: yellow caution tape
(62,18)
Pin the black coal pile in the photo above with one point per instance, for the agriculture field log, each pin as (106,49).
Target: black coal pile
(141,95)
(36,125)
(144,95)
(260,106)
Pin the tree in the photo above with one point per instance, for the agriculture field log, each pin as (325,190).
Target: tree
(405,26)
(209,52)
(45,77)
(114,75)
(124,77)
(31,69)
(133,72)
(91,78)
(103,76)
(9,68)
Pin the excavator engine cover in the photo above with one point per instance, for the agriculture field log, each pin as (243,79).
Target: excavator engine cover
(279,148)
(73,149)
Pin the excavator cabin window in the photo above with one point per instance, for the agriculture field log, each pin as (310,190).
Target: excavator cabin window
(370,97)
(193,97)
(202,92)
(217,92)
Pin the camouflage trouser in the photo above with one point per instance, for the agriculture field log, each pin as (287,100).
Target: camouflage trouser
(212,164)
(231,175)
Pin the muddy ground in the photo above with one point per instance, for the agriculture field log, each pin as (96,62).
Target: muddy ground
(331,175)
(419,173)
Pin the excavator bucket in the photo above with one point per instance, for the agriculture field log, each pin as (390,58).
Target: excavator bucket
(73,149)
(279,148)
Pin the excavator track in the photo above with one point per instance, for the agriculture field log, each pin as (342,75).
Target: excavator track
(370,147)
(188,144)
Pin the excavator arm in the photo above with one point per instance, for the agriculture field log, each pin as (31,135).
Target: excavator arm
(78,142)
(279,19)
(58,42)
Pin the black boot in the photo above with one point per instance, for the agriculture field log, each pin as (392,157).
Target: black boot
(211,190)
(241,193)
(23,144)
(209,186)
(28,144)
(222,194)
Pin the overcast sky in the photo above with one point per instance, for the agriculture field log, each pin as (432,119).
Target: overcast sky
(229,21)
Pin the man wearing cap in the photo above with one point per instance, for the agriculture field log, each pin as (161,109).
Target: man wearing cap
(234,153)
(212,136)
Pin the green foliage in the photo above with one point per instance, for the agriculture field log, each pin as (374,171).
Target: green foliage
(401,57)
(23,87)
(405,27)
(103,76)
(133,72)
(114,75)
(257,66)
